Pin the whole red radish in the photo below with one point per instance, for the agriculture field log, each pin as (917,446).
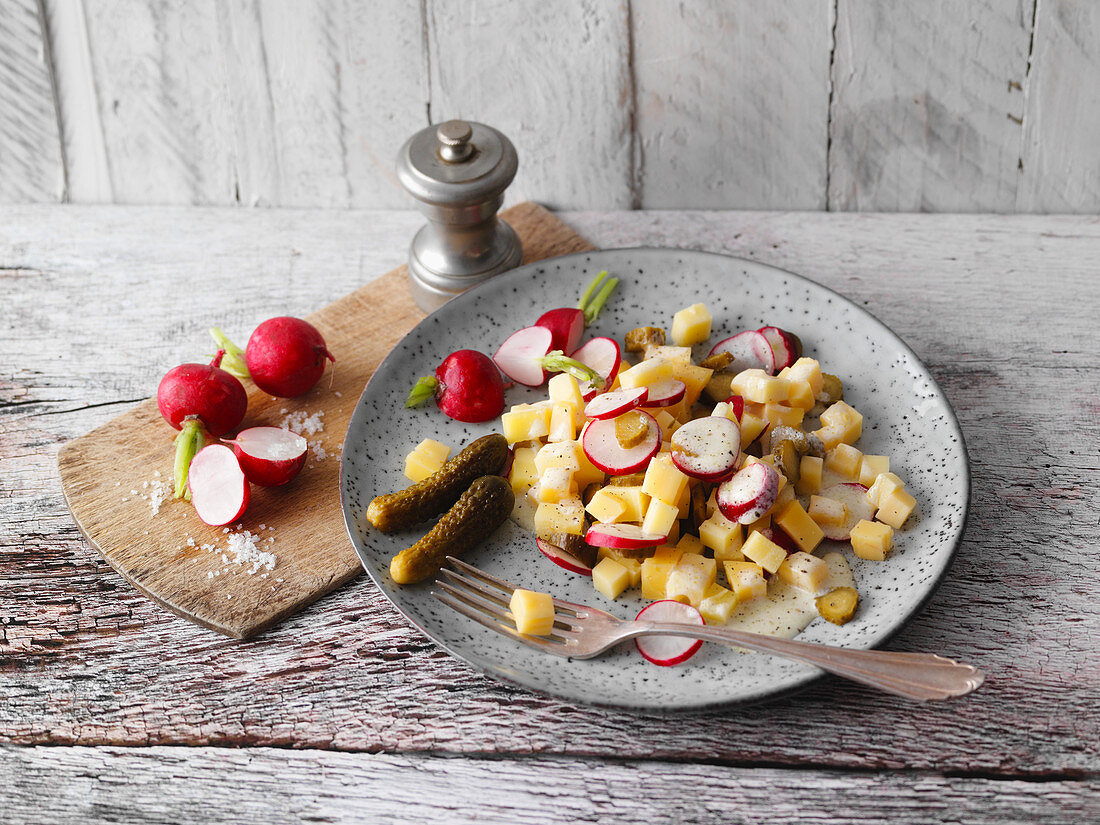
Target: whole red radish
(286,356)
(467,387)
(270,456)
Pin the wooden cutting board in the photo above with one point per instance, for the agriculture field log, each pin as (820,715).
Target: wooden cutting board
(187,566)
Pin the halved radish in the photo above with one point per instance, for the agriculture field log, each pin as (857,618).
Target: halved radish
(668,650)
(786,346)
(270,456)
(520,356)
(566,325)
(219,490)
(749,494)
(603,449)
(666,393)
(707,448)
(602,355)
(612,404)
(621,537)
(853,496)
(750,350)
(562,557)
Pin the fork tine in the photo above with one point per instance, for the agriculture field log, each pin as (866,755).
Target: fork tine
(564,622)
(536,642)
(508,587)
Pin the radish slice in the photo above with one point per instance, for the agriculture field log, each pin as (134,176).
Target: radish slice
(621,537)
(603,448)
(270,456)
(602,355)
(707,448)
(519,356)
(668,650)
(566,325)
(786,346)
(219,490)
(750,350)
(666,393)
(749,494)
(738,404)
(562,557)
(853,496)
(613,404)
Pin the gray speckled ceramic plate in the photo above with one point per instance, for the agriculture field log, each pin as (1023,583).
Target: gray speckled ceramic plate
(905,416)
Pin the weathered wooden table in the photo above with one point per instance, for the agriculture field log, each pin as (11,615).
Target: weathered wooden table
(113,709)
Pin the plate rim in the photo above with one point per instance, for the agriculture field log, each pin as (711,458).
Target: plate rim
(764,695)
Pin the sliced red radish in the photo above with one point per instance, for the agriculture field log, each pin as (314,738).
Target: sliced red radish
(780,537)
(853,496)
(520,356)
(738,404)
(668,650)
(749,494)
(786,346)
(604,450)
(219,489)
(621,537)
(666,393)
(566,326)
(562,557)
(707,448)
(602,355)
(270,456)
(750,350)
(613,404)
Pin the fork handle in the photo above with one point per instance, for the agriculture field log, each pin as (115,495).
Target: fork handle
(920,676)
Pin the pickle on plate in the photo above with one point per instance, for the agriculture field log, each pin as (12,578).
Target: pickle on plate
(399,511)
(485,505)
(838,606)
(638,339)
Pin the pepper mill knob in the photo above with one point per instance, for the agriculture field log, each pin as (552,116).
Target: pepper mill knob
(458,172)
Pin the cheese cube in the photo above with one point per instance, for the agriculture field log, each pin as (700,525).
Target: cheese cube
(425,459)
(663,480)
(632,565)
(845,460)
(746,581)
(554,485)
(794,521)
(587,472)
(712,501)
(610,578)
(827,511)
(695,381)
(606,508)
(895,507)
(872,540)
(523,473)
(751,427)
(810,470)
(884,485)
(691,326)
(565,516)
(563,423)
(757,386)
(564,389)
(665,421)
(525,422)
(691,544)
(645,374)
(872,467)
(723,409)
(533,612)
(804,571)
(674,355)
(830,436)
(633,499)
(717,605)
(846,418)
(780,414)
(722,536)
(559,454)
(659,518)
(690,578)
(765,552)
(655,572)
(801,394)
(808,370)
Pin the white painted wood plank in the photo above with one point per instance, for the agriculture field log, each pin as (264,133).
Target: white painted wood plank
(927,105)
(31,163)
(733,103)
(1060,160)
(263,785)
(555,78)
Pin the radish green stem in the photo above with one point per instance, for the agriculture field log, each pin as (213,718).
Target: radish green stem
(592,311)
(233,361)
(557,361)
(422,390)
(588,290)
(190,440)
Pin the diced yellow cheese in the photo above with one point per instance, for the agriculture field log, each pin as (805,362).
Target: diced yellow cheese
(717,605)
(872,540)
(554,485)
(559,454)
(722,536)
(691,326)
(565,516)
(659,518)
(587,472)
(872,467)
(808,370)
(563,423)
(746,581)
(665,421)
(884,485)
(801,394)
(804,571)
(895,507)
(757,386)
(810,470)
(523,473)
(426,459)
(712,501)
(663,480)
(655,572)
(765,552)
(794,521)
(645,374)
(674,355)
(695,380)
(610,578)
(827,511)
(633,500)
(691,544)
(780,414)
(668,552)
(525,422)
(606,508)
(690,578)
(564,389)
(533,612)
(830,436)
(723,409)
(845,460)
(751,427)
(847,418)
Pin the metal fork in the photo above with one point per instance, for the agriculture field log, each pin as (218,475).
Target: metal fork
(582,632)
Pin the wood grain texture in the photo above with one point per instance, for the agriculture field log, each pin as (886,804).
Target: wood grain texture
(109,474)
(733,103)
(1059,161)
(85,659)
(927,105)
(262,785)
(554,78)
(32,168)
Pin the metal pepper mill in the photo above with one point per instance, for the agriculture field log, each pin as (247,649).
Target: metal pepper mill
(458,172)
